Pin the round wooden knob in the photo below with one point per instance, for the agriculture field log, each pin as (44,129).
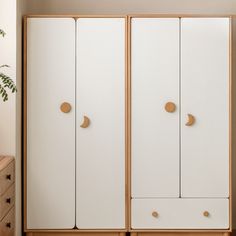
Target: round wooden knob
(206,213)
(65,107)
(170,107)
(155,214)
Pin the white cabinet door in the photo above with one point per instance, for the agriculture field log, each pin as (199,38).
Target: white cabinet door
(50,133)
(205,95)
(155,132)
(100,148)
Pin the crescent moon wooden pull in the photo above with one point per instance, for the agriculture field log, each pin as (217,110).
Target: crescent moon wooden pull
(170,107)
(191,120)
(85,123)
(65,107)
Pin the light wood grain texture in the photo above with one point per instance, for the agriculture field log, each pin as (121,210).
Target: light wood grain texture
(127,199)
(128,121)
(24,107)
(75,16)
(180,234)
(230,119)
(7,175)
(75,234)
(7,201)
(7,225)
(5,161)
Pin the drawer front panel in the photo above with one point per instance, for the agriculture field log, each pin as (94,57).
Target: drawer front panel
(180,214)
(7,201)
(7,177)
(7,225)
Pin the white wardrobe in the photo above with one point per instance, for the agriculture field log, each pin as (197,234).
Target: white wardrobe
(75,123)
(127,125)
(180,76)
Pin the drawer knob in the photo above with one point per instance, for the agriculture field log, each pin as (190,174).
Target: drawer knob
(85,123)
(8,225)
(8,200)
(170,107)
(191,120)
(155,214)
(206,213)
(8,177)
(65,107)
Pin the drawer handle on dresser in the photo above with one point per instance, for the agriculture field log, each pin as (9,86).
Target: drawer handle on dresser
(170,107)
(85,123)
(155,214)
(191,120)
(65,107)
(8,177)
(8,200)
(8,225)
(206,213)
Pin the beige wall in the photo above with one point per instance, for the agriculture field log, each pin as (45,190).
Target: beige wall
(131,6)
(20,10)
(125,7)
(8,56)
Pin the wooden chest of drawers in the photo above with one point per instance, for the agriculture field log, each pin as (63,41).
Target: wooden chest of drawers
(7,196)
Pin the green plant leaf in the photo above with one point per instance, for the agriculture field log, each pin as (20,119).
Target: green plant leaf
(4,66)
(6,83)
(2,33)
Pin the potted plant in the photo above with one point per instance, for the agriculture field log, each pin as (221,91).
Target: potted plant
(6,83)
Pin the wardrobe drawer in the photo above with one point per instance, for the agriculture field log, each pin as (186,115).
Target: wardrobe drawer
(7,225)
(7,177)
(7,201)
(180,214)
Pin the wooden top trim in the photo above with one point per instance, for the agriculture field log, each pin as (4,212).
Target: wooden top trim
(181,15)
(73,16)
(5,161)
(154,15)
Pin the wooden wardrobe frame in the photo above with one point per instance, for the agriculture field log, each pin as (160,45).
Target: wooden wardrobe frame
(122,232)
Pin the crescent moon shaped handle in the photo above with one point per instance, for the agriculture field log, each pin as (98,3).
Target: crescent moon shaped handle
(85,123)
(191,120)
